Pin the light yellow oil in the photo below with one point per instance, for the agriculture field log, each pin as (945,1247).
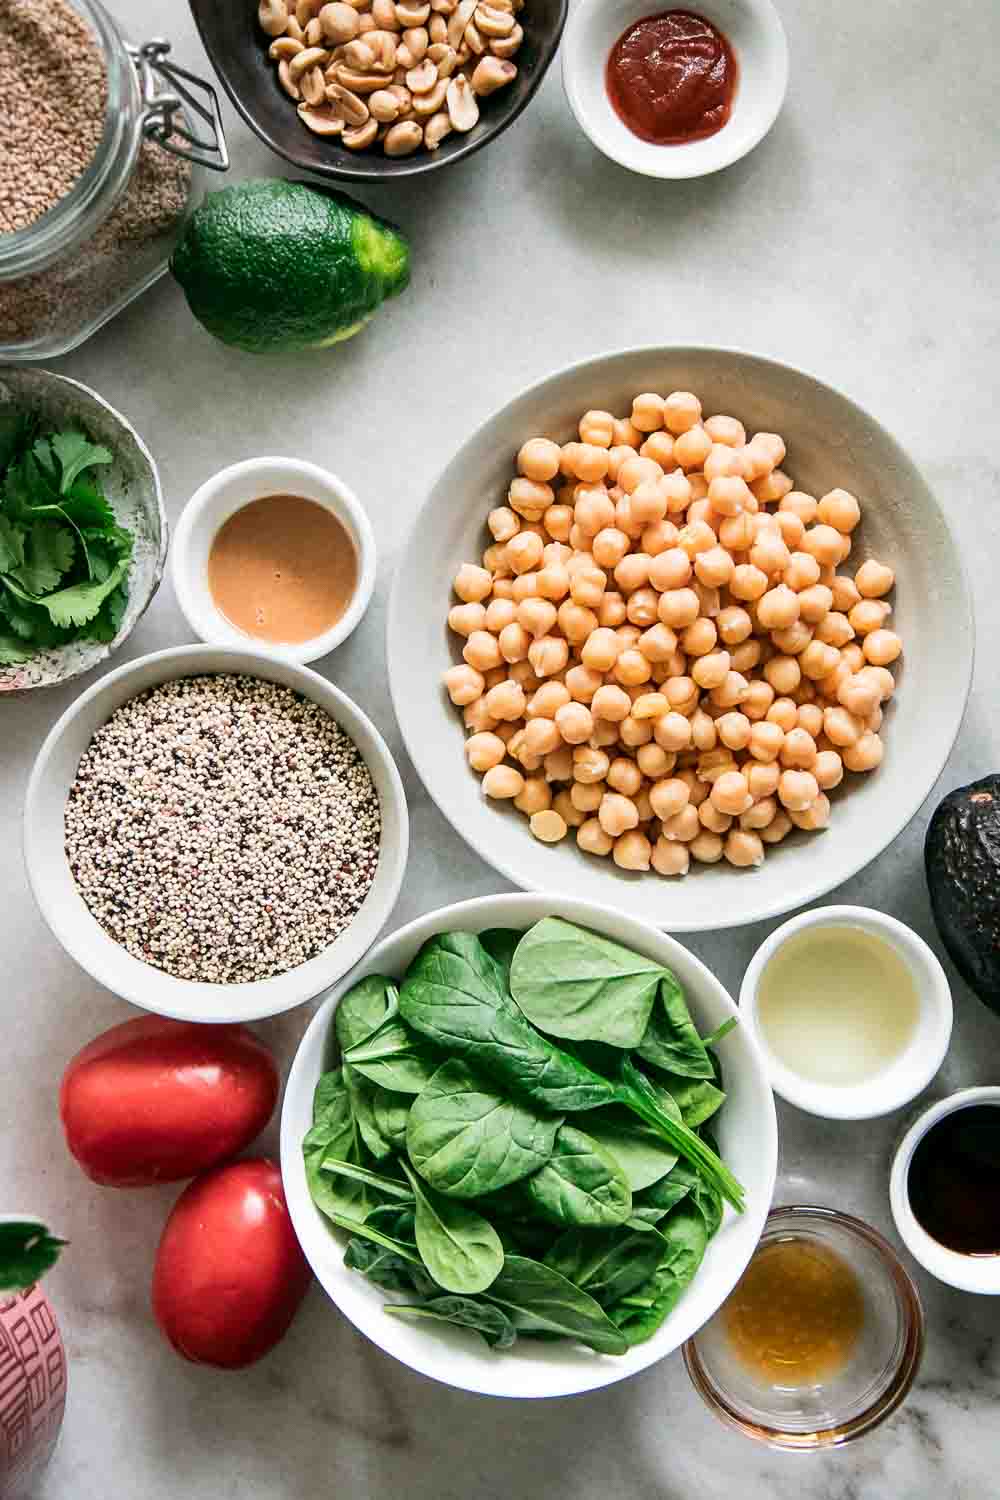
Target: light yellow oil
(837,1005)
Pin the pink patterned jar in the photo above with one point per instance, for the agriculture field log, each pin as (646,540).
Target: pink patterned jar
(32,1390)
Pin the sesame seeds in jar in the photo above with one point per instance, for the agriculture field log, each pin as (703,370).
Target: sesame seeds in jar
(223,828)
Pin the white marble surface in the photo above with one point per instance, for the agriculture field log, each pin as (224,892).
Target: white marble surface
(858,241)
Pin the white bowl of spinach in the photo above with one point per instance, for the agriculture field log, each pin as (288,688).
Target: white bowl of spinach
(525,1146)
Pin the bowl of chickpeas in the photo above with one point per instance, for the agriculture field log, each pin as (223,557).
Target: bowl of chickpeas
(683,630)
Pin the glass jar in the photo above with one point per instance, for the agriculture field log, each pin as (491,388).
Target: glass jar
(99,247)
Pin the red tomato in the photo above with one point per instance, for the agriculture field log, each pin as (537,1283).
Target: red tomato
(229,1273)
(155,1100)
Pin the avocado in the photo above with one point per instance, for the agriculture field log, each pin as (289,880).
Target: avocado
(962,860)
(275,266)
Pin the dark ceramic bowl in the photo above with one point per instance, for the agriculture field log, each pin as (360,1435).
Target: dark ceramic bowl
(238,51)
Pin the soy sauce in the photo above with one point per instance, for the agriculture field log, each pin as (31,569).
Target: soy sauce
(954,1181)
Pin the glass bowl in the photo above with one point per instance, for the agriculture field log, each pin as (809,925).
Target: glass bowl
(866,1390)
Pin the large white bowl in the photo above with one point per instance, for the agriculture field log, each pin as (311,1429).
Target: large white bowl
(65,911)
(747,1132)
(831,441)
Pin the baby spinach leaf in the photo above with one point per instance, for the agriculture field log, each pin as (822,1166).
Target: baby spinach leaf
(385,1267)
(461,1249)
(391,1113)
(397,1220)
(581,1184)
(452,994)
(539,1299)
(500,943)
(389,1186)
(606,1263)
(363,1009)
(641,1312)
(670,1041)
(365,1230)
(394,1057)
(715,1037)
(334,1133)
(466,1139)
(572,983)
(696,1098)
(656,1201)
(649,1103)
(464,1312)
(641,1152)
(361,1094)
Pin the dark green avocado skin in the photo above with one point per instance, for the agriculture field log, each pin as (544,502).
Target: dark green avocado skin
(962,860)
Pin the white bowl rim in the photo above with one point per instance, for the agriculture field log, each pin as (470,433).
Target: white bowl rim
(969,1273)
(667,163)
(188,588)
(257,1006)
(305,1216)
(397,689)
(863,1101)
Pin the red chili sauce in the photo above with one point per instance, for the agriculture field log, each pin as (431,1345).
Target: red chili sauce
(672,77)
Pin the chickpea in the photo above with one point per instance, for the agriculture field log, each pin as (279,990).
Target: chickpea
(625,434)
(464,685)
(633,732)
(633,572)
(783,673)
(766,740)
(558,521)
(648,502)
(535,796)
(706,847)
(736,533)
(668,796)
(711,670)
(654,761)
(818,660)
(583,683)
(539,459)
(624,776)
(541,737)
(574,722)
(733,730)
(758,700)
(670,858)
(537,617)
(778,828)
(744,849)
(760,814)
(558,763)
(590,461)
(576,622)
(523,552)
(524,587)
(647,412)
(845,593)
(587,584)
(691,447)
(670,570)
(714,567)
(731,692)
(672,731)
(868,615)
(790,529)
(859,695)
(730,793)
(498,614)
(609,547)
(881,647)
(587,797)
(681,412)
(679,608)
(552,582)
(874,579)
(769,553)
(684,826)
(799,750)
(711,818)
(594,510)
(643,608)
(563,805)
(835,629)
(810,718)
(632,668)
(699,638)
(503,783)
(658,537)
(797,790)
(592,839)
(793,639)
(472,584)
(617,814)
(762,779)
(773,486)
(503,524)
(484,751)
(463,619)
(482,651)
(823,543)
(828,770)
(865,754)
(548,826)
(506,701)
(748,582)
(597,428)
(659,446)
(840,510)
(841,727)
(636,471)
(530,498)
(728,494)
(590,765)
(682,695)
(503,588)
(611,703)
(650,706)
(611,611)
(476,717)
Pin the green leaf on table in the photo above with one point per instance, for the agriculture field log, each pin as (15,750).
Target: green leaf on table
(465,1138)
(27,1251)
(539,1299)
(574,984)
(581,1184)
(460,1249)
(671,1041)
(462,1312)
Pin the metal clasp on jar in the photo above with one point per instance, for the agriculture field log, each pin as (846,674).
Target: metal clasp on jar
(172,98)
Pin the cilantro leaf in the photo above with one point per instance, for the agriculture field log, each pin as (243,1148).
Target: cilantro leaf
(48,554)
(108,622)
(87,507)
(14,653)
(29,621)
(15,432)
(27,1251)
(11,544)
(75,454)
(79,605)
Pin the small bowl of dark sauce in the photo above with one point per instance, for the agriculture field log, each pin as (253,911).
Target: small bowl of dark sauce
(677,92)
(945,1190)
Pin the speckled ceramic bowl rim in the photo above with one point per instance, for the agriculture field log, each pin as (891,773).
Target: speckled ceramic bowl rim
(161,556)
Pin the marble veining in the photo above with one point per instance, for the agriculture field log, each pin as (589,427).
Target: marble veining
(858,241)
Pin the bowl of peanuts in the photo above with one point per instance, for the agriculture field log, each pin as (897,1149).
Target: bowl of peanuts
(375,89)
(681,630)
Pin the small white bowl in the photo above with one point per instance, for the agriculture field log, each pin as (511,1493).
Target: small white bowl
(757,37)
(228,492)
(747,1131)
(85,940)
(901,1080)
(970,1273)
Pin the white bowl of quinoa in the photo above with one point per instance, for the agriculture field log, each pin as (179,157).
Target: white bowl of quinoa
(215,834)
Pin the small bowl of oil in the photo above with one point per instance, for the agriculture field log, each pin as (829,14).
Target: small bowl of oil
(851,1009)
(820,1340)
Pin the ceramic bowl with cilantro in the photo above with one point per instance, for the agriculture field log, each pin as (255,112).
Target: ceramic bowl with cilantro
(83,534)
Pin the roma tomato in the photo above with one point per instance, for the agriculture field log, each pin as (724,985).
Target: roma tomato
(155,1100)
(229,1273)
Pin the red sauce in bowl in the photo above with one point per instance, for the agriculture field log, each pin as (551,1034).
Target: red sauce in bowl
(671,78)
